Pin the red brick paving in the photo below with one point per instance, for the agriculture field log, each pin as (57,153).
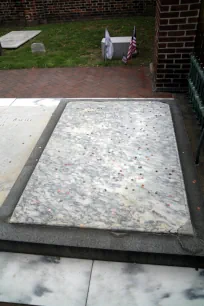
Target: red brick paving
(80,82)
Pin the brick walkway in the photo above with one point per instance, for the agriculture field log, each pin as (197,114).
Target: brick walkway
(101,82)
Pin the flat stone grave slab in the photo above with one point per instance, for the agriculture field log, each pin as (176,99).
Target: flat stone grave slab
(118,284)
(50,281)
(109,165)
(120,45)
(15,39)
(76,282)
(20,127)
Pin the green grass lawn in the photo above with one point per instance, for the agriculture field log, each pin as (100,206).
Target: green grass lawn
(79,43)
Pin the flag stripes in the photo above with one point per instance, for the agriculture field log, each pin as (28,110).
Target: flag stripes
(132,48)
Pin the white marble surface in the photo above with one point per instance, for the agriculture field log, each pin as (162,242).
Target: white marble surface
(109,165)
(52,281)
(15,39)
(119,284)
(119,39)
(6,101)
(42,280)
(20,129)
(45,102)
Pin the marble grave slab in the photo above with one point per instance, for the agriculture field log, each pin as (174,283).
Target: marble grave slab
(109,165)
(20,128)
(15,39)
(119,284)
(52,281)
(43,280)
(6,101)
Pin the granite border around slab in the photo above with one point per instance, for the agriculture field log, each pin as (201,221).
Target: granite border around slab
(167,249)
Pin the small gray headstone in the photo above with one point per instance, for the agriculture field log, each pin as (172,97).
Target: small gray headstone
(120,45)
(38,48)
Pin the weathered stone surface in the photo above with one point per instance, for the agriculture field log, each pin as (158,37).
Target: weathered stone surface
(120,45)
(21,124)
(109,165)
(15,39)
(38,48)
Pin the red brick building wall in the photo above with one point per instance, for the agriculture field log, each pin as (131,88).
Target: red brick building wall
(176,24)
(11,11)
(40,11)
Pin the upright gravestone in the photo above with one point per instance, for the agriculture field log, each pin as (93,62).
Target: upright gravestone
(1,50)
(120,46)
(38,48)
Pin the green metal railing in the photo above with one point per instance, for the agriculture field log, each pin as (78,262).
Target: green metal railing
(196,95)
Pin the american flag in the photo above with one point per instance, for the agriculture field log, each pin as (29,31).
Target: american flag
(132,48)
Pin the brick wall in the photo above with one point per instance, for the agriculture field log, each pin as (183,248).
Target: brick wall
(11,11)
(176,24)
(41,11)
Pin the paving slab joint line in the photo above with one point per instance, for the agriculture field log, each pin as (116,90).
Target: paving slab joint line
(88,290)
(16,191)
(13,101)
